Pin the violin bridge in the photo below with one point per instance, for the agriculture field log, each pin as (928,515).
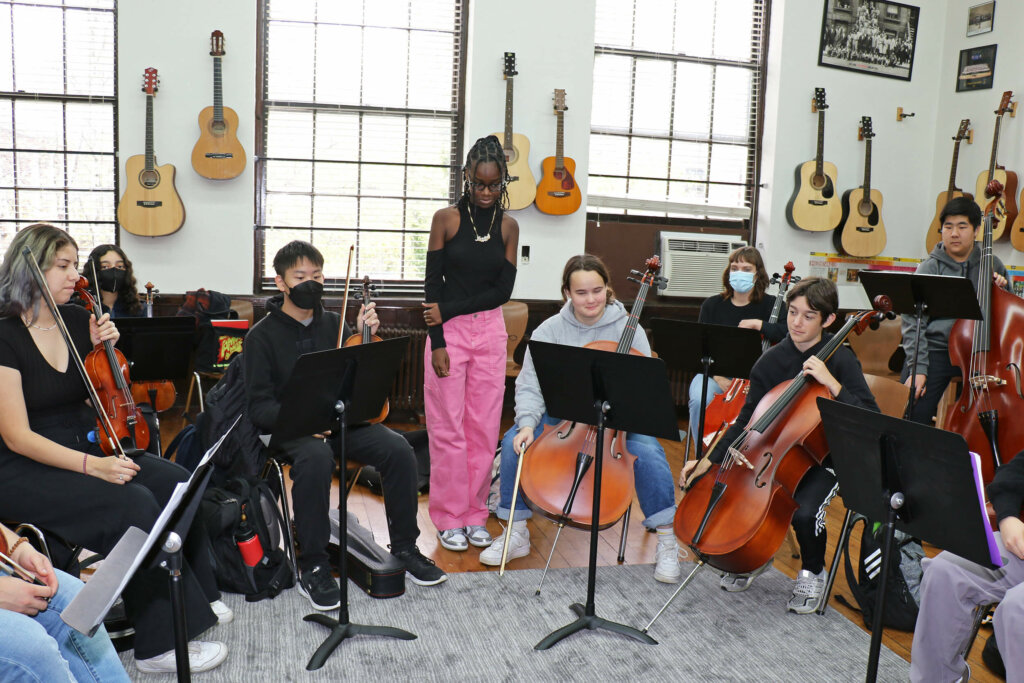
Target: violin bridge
(740,458)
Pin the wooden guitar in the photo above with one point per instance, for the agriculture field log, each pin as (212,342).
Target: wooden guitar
(816,206)
(218,154)
(557,192)
(1006,209)
(150,206)
(951,192)
(862,232)
(522,188)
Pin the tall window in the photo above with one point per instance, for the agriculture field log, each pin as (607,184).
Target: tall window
(57,117)
(677,89)
(359,131)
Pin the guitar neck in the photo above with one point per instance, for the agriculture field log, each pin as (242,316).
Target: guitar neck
(508,113)
(995,146)
(218,97)
(819,158)
(867,169)
(150,163)
(559,143)
(952,169)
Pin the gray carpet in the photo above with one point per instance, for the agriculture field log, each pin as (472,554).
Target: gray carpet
(479,627)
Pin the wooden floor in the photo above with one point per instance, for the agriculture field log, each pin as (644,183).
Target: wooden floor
(573,546)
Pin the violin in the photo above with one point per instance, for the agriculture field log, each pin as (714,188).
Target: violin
(725,408)
(365,337)
(158,393)
(989,352)
(550,480)
(107,369)
(735,517)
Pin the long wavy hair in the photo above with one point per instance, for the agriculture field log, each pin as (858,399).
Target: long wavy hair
(591,263)
(128,294)
(752,256)
(19,294)
(485,150)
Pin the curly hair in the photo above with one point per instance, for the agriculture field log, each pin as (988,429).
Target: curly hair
(485,150)
(128,294)
(752,256)
(19,293)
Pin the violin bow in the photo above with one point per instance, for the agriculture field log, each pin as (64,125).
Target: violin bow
(512,511)
(94,398)
(344,301)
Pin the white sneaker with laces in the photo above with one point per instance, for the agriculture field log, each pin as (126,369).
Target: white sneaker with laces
(478,536)
(807,591)
(453,539)
(666,559)
(203,655)
(735,583)
(519,545)
(223,612)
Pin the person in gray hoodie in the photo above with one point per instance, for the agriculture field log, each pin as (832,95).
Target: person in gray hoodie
(590,313)
(955,255)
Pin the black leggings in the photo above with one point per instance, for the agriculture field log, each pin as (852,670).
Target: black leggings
(813,495)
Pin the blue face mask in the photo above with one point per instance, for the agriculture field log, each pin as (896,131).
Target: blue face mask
(741,282)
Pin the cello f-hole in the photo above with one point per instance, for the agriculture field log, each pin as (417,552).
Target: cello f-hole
(768,461)
(1015,369)
(567,432)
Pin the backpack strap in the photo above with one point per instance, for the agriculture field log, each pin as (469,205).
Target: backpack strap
(851,578)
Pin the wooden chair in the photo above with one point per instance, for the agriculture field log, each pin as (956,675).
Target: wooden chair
(874,348)
(516,314)
(890,395)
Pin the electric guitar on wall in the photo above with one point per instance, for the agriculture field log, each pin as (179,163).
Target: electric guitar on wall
(816,206)
(557,192)
(523,188)
(861,230)
(218,154)
(1006,209)
(951,192)
(150,206)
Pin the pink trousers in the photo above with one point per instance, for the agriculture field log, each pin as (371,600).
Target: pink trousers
(464,417)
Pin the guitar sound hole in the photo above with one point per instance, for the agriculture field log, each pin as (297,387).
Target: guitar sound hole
(149,179)
(864,208)
(817,182)
(218,127)
(511,155)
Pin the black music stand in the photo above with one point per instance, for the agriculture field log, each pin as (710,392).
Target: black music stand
(937,296)
(602,389)
(695,347)
(916,477)
(320,396)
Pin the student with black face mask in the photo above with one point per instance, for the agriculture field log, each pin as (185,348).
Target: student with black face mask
(116,281)
(296,323)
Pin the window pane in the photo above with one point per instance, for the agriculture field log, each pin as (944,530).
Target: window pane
(384,251)
(90,127)
(334,245)
(6,54)
(91,172)
(90,206)
(654,25)
(420,213)
(334,178)
(612,76)
(728,163)
(614,23)
(649,158)
(337,46)
(337,136)
(40,125)
(385,67)
(273,240)
(609,154)
(41,205)
(290,134)
(429,141)
(289,176)
(382,180)
(287,209)
(387,13)
(689,161)
(733,29)
(335,212)
(732,104)
(693,101)
(380,214)
(430,74)
(427,182)
(693,27)
(40,170)
(383,138)
(433,15)
(652,97)
(38,49)
(290,71)
(90,52)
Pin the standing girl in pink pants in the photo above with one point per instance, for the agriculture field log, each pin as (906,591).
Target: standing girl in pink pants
(470,274)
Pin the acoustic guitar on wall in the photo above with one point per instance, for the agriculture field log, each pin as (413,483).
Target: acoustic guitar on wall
(557,192)
(150,206)
(861,230)
(1006,209)
(951,192)
(522,188)
(218,154)
(816,206)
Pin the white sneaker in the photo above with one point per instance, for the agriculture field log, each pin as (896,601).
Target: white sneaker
(453,539)
(735,583)
(519,547)
(223,612)
(807,591)
(478,536)
(666,559)
(203,655)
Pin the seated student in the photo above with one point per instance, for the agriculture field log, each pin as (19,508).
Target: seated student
(952,587)
(116,281)
(53,477)
(35,644)
(812,304)
(296,323)
(590,313)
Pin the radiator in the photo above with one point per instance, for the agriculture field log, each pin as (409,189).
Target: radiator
(407,392)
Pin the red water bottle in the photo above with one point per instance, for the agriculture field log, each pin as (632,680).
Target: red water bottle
(248,542)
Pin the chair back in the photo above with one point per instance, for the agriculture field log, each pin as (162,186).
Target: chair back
(874,348)
(243,307)
(516,314)
(890,395)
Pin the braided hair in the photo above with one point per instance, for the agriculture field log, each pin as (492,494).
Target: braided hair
(483,151)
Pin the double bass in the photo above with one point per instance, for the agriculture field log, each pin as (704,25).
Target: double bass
(990,353)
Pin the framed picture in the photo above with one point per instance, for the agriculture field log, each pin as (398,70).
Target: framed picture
(875,37)
(977,68)
(981,18)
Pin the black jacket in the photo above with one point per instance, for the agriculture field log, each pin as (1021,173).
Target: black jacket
(1007,489)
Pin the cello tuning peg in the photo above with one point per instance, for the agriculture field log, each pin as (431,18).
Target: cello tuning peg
(633,279)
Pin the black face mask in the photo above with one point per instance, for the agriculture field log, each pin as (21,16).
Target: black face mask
(111,279)
(306,295)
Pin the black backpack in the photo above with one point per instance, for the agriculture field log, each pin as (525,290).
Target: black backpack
(222,513)
(242,452)
(902,590)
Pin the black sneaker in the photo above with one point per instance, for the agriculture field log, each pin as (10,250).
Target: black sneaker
(320,588)
(421,570)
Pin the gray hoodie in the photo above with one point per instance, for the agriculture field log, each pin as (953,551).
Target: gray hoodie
(564,328)
(936,330)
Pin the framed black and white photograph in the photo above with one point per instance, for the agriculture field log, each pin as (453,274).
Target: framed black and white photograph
(977,68)
(874,37)
(981,18)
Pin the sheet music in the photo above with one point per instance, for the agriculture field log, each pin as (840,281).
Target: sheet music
(993,545)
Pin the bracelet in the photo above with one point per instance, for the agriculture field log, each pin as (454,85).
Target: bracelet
(10,551)
(85,458)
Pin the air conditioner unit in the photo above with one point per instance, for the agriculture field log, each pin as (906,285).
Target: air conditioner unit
(693,262)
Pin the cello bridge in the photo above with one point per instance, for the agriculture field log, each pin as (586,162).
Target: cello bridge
(979,382)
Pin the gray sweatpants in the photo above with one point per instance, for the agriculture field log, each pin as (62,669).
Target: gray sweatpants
(952,587)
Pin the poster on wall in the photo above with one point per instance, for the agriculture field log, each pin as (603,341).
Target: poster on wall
(980,18)
(977,68)
(874,37)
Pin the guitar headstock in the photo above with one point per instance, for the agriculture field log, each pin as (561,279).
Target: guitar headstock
(150,81)
(216,44)
(866,133)
(560,100)
(1004,103)
(961,132)
(819,100)
(510,65)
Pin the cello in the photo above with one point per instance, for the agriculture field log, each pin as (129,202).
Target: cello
(725,408)
(991,371)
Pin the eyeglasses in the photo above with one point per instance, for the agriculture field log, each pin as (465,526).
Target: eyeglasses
(493,187)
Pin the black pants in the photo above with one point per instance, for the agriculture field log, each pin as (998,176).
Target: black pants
(312,462)
(91,512)
(940,372)
(813,495)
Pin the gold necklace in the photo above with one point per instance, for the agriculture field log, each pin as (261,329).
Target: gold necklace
(476,233)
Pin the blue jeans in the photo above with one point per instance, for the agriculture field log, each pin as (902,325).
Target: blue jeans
(43,648)
(695,407)
(654,486)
